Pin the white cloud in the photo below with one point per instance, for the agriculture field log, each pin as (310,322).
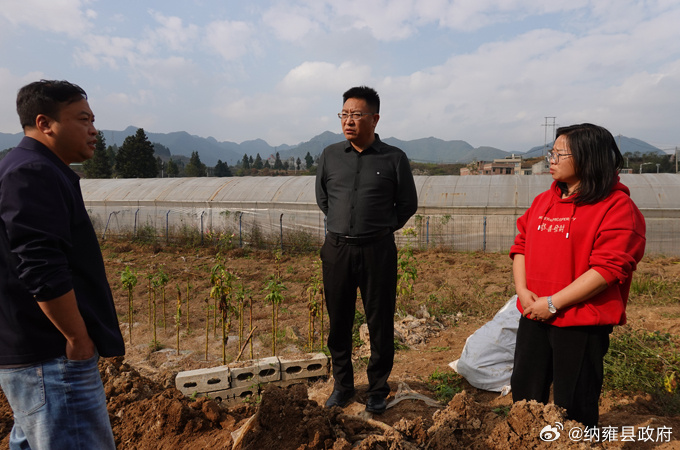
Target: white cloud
(230,39)
(502,92)
(107,51)
(317,76)
(172,33)
(294,22)
(387,20)
(61,16)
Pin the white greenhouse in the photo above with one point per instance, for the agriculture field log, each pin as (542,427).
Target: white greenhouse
(466,213)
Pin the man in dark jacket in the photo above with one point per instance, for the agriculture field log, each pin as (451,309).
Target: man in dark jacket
(366,190)
(56,309)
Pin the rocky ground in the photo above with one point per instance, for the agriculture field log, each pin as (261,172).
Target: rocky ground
(459,292)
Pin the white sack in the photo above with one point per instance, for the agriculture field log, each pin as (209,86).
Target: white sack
(488,355)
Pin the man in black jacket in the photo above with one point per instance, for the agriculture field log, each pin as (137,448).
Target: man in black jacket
(56,309)
(366,190)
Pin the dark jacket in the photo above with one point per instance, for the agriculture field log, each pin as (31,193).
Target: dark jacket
(47,248)
(365,193)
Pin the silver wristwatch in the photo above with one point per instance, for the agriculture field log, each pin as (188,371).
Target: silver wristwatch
(551,307)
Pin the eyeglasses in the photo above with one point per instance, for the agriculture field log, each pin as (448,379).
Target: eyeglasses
(554,156)
(353,116)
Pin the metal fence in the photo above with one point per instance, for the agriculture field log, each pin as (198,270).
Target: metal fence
(300,228)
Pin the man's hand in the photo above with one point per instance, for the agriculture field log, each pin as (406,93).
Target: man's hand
(63,312)
(80,349)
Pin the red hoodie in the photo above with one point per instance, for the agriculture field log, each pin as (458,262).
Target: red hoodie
(560,241)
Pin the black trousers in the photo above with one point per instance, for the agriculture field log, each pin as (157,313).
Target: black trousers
(571,358)
(371,267)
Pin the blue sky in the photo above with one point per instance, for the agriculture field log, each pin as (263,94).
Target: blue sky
(485,71)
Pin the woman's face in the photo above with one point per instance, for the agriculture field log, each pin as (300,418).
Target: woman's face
(562,167)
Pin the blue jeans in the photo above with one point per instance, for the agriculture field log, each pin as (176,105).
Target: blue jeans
(58,404)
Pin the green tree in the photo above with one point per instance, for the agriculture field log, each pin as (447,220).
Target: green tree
(309,161)
(135,157)
(277,163)
(172,168)
(161,166)
(160,149)
(195,168)
(266,164)
(258,162)
(298,163)
(98,166)
(111,152)
(244,162)
(222,169)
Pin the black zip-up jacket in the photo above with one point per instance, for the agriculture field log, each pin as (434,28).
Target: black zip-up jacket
(47,248)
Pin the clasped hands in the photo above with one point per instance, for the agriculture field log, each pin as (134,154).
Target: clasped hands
(535,307)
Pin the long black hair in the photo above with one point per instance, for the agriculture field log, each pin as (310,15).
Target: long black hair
(597,161)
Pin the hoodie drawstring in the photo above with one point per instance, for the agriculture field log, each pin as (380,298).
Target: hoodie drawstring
(571,217)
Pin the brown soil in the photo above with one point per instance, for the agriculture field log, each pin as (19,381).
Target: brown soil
(462,290)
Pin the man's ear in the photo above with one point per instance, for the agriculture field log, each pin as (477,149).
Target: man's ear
(43,124)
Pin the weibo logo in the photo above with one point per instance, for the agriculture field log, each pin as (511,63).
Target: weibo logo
(549,433)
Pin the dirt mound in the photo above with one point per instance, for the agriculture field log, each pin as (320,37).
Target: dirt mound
(149,414)
(145,414)
(287,419)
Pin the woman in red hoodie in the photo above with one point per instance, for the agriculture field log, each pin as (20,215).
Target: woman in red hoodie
(573,260)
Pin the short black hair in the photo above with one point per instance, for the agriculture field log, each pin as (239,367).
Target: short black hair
(365,93)
(46,97)
(597,161)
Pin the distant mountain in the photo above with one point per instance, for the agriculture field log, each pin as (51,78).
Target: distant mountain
(430,149)
(435,150)
(626,145)
(314,146)
(9,140)
(183,143)
(421,150)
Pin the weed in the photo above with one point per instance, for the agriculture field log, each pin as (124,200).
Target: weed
(643,361)
(220,240)
(399,346)
(188,236)
(300,241)
(436,349)
(502,411)
(146,234)
(254,399)
(445,385)
(257,238)
(407,268)
(155,345)
(654,289)
(359,318)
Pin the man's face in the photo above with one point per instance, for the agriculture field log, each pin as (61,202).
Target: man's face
(74,136)
(359,132)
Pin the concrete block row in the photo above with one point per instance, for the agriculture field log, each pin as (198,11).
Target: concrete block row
(243,379)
